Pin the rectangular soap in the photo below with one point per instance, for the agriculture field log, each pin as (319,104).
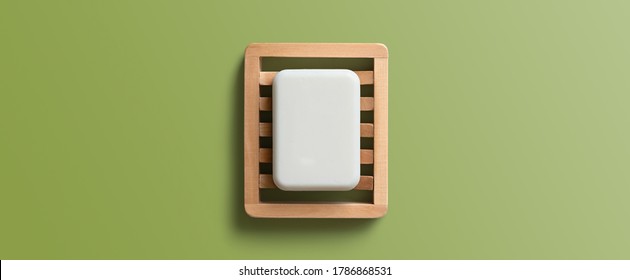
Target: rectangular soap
(316,130)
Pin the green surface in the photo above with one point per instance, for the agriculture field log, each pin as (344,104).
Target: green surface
(121,129)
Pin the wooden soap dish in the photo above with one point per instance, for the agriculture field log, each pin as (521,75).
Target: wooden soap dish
(255,130)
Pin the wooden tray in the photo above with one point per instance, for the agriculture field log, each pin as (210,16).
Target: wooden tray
(254,130)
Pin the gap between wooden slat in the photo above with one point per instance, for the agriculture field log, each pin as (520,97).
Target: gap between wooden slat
(365,77)
(367,103)
(367,130)
(366,183)
(367,156)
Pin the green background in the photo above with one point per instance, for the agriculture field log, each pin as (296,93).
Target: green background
(121,129)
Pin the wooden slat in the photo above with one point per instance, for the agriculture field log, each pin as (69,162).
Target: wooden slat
(367,156)
(367,103)
(366,183)
(250,130)
(366,77)
(266,181)
(344,50)
(380,132)
(265,130)
(265,103)
(367,130)
(265,155)
(315,210)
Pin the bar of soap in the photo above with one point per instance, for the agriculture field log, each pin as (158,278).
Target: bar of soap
(316,130)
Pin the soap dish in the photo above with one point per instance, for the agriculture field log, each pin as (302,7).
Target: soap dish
(258,174)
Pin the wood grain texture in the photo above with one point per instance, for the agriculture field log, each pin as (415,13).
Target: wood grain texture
(367,103)
(380,131)
(365,77)
(266,156)
(315,210)
(367,130)
(266,130)
(366,183)
(347,50)
(367,156)
(250,132)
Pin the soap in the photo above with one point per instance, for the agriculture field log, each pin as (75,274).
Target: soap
(316,130)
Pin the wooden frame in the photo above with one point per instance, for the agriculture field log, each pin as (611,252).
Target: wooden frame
(254,129)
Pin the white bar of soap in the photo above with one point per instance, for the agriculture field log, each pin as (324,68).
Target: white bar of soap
(316,130)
